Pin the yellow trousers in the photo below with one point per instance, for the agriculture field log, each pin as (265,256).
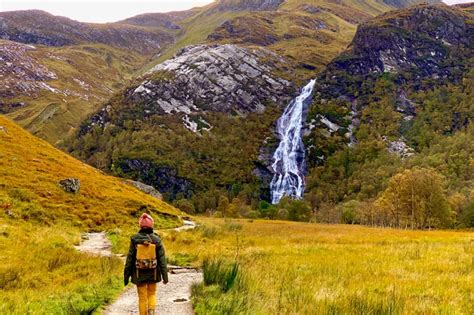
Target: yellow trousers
(146,297)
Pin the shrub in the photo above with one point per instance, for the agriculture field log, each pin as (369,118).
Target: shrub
(186,206)
(467,216)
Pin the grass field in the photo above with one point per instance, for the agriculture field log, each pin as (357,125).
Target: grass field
(298,268)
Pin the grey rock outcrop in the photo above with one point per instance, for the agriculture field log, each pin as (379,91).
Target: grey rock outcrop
(218,78)
(147,189)
(71,185)
(204,78)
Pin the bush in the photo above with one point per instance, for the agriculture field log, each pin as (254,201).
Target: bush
(349,212)
(467,216)
(186,206)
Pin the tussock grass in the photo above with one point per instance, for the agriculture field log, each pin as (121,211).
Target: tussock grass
(301,268)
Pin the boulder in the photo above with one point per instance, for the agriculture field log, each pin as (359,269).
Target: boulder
(147,189)
(71,185)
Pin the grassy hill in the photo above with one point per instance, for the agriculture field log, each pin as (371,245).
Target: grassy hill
(40,223)
(31,170)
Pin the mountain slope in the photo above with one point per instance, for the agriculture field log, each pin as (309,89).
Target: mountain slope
(185,126)
(310,32)
(50,90)
(39,27)
(30,173)
(401,97)
(386,91)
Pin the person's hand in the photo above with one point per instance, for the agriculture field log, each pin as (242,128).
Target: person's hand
(165,281)
(126,279)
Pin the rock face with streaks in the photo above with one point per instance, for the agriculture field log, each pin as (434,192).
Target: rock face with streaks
(422,40)
(221,78)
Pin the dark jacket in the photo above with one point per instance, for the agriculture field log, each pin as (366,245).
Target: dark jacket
(146,275)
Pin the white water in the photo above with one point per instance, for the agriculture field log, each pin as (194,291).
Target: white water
(288,165)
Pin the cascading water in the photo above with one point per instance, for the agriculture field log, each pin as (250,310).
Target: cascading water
(288,165)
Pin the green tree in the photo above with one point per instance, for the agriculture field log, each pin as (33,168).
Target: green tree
(185,205)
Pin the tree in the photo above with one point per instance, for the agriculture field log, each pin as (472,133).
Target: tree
(416,198)
(223,205)
(298,210)
(185,205)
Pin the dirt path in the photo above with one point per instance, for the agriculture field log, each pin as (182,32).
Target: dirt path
(173,298)
(95,244)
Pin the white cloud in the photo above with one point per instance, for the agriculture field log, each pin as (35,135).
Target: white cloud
(100,11)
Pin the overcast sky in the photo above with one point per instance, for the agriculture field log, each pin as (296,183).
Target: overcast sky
(102,11)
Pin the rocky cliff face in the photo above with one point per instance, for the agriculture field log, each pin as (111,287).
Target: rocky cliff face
(224,78)
(38,27)
(422,40)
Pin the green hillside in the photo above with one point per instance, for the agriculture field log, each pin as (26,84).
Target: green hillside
(406,87)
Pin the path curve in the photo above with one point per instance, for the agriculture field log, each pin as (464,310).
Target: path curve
(173,298)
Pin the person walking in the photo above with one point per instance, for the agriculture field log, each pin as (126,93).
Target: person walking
(146,264)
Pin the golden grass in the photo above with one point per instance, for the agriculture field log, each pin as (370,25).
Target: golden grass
(30,170)
(298,268)
(41,272)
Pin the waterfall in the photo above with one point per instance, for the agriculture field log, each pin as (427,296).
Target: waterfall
(288,165)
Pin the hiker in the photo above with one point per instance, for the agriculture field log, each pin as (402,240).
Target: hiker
(146,264)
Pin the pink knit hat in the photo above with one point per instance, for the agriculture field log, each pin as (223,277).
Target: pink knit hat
(146,221)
